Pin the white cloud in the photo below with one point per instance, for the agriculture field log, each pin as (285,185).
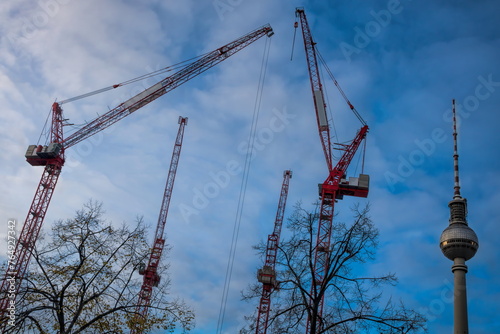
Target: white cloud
(402,83)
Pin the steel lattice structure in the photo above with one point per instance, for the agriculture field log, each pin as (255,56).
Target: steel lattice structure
(151,277)
(335,186)
(52,155)
(267,275)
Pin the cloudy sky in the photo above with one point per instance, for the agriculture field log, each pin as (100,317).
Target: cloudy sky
(400,62)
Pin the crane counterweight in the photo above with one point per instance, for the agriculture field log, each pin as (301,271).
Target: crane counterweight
(267,275)
(38,155)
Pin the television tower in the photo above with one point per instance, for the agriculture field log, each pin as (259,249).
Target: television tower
(458,243)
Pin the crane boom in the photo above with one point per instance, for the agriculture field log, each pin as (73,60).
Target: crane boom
(267,275)
(166,85)
(52,156)
(333,188)
(151,277)
(316,87)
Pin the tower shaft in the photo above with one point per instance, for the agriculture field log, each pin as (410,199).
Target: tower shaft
(461,322)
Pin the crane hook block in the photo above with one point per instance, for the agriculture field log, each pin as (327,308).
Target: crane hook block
(142,268)
(270,32)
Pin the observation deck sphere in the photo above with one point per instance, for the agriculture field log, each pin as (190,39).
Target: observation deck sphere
(459,241)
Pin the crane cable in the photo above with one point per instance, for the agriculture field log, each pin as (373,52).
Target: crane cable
(244,181)
(139,78)
(332,122)
(361,158)
(45,131)
(364,155)
(124,83)
(170,68)
(322,60)
(296,24)
(356,113)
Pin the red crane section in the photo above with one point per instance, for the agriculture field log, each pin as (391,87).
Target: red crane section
(151,277)
(316,87)
(52,155)
(333,189)
(267,275)
(53,160)
(335,186)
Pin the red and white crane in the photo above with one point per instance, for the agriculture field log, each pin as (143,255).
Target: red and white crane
(267,275)
(336,185)
(51,156)
(150,272)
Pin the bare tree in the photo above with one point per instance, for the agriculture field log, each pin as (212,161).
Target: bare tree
(84,280)
(353,302)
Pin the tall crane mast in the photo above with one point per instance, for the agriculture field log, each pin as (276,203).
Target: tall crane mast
(150,272)
(267,275)
(52,155)
(335,186)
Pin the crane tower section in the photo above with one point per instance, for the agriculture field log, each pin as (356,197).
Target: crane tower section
(151,278)
(267,275)
(335,187)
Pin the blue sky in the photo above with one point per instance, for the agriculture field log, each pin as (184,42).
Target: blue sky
(400,63)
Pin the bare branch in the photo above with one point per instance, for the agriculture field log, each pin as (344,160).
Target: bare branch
(352,301)
(84,279)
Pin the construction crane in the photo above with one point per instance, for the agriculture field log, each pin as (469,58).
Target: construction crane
(51,156)
(267,275)
(336,186)
(150,272)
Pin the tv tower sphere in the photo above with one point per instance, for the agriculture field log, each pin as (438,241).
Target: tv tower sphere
(459,241)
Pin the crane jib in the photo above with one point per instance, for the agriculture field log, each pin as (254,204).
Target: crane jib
(132,105)
(152,93)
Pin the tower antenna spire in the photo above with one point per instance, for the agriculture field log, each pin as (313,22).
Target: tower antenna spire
(455,153)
